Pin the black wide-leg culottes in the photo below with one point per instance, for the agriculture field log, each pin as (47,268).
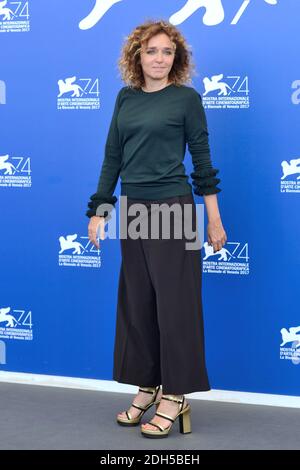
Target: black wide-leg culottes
(159,336)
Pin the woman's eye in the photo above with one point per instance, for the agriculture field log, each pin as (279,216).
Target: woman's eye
(165,52)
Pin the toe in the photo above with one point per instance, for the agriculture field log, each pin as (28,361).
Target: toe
(149,426)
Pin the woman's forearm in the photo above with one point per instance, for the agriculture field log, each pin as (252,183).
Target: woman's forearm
(212,209)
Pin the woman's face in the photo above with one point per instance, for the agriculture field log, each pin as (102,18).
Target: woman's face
(157,57)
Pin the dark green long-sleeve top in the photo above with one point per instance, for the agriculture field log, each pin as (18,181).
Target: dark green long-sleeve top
(146,145)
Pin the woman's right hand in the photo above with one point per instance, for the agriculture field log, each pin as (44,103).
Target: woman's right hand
(92,229)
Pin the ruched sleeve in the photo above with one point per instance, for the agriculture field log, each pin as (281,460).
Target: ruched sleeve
(204,178)
(110,169)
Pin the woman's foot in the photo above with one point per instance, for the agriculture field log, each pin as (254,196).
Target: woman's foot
(141,399)
(167,407)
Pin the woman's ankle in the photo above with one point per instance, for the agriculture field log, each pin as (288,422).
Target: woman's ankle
(149,388)
(171,395)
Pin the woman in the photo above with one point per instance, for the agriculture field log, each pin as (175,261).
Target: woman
(159,329)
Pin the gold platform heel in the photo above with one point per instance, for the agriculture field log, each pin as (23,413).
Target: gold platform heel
(184,416)
(135,421)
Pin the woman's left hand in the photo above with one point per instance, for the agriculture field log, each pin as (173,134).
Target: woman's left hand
(216,234)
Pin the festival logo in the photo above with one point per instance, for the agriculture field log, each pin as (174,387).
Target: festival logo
(14,16)
(231,92)
(210,11)
(81,93)
(291,337)
(290,178)
(15,171)
(233,258)
(78,252)
(16,324)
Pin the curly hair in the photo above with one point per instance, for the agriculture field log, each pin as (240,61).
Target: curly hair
(129,62)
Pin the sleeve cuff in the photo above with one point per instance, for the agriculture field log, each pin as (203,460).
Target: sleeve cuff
(95,201)
(204,181)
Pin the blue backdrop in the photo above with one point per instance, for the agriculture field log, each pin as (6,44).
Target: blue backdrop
(58,84)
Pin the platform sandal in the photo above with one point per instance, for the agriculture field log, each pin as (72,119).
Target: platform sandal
(134,421)
(184,416)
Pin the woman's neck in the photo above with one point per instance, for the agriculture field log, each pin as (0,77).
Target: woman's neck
(157,88)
